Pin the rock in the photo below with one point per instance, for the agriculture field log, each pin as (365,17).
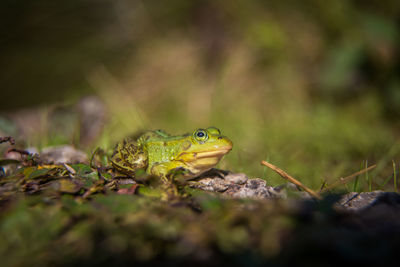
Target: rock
(62,154)
(92,117)
(210,184)
(359,201)
(236,178)
(32,150)
(253,188)
(236,185)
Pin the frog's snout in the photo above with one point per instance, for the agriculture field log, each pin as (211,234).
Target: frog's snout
(224,148)
(229,143)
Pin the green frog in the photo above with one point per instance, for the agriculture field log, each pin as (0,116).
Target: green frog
(163,155)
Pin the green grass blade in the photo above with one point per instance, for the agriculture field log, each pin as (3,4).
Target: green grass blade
(357,181)
(394,176)
(367,178)
(355,189)
(381,187)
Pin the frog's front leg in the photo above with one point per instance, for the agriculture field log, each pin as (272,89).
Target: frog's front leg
(167,171)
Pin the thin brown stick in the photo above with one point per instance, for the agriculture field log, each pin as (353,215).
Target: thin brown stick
(347,178)
(20,151)
(286,176)
(7,139)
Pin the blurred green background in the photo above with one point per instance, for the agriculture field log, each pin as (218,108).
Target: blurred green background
(312,86)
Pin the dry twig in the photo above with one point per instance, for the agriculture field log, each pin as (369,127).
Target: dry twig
(20,151)
(7,139)
(347,178)
(286,176)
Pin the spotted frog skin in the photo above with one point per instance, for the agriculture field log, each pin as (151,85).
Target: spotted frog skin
(162,155)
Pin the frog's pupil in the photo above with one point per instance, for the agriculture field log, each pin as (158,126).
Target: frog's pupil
(200,134)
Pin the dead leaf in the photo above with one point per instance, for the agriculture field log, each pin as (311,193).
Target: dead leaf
(128,191)
(68,186)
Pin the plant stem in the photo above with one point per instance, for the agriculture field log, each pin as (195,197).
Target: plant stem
(347,179)
(394,176)
(367,177)
(286,176)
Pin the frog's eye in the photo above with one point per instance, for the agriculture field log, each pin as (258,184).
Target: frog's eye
(213,131)
(201,135)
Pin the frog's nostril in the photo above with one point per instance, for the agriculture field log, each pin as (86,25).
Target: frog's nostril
(220,137)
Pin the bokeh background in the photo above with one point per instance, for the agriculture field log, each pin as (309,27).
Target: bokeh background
(312,86)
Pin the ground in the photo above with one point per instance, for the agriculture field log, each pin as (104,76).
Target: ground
(75,212)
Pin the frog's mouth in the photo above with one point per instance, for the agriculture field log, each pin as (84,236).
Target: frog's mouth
(206,157)
(210,154)
(201,161)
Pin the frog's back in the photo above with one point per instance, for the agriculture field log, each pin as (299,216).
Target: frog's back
(160,146)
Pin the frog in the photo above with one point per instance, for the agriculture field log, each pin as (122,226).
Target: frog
(163,155)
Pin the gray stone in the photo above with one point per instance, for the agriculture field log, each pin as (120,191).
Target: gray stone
(62,154)
(236,185)
(236,178)
(210,184)
(253,188)
(359,201)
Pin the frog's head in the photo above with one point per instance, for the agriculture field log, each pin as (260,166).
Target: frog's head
(204,149)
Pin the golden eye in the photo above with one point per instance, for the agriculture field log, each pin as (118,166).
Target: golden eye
(201,135)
